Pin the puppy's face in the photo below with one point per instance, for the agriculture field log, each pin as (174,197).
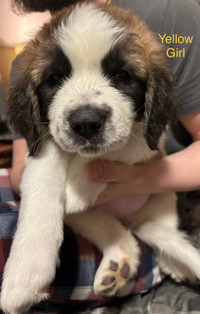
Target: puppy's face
(88,78)
(97,94)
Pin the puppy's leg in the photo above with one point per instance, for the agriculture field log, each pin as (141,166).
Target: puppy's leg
(176,255)
(81,192)
(120,249)
(32,262)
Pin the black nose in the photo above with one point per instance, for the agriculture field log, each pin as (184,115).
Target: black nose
(87,122)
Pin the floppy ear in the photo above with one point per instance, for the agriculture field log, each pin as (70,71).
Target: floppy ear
(22,105)
(161,105)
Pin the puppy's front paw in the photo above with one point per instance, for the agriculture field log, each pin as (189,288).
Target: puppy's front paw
(76,202)
(117,266)
(16,300)
(28,273)
(24,285)
(81,192)
(82,195)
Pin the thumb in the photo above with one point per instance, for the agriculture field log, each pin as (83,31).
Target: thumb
(106,171)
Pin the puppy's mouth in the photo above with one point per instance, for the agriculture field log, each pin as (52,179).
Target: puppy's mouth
(88,150)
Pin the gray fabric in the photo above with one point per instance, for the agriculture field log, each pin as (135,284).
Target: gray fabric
(167,299)
(181,17)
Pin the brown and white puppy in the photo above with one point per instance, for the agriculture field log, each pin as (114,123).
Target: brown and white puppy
(93,83)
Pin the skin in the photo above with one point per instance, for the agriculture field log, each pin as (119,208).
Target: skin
(18,163)
(174,172)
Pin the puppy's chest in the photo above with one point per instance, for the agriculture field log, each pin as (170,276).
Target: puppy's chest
(81,192)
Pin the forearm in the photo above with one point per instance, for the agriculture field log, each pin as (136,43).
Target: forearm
(177,172)
(18,163)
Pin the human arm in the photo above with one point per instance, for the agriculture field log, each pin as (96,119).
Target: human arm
(177,172)
(18,163)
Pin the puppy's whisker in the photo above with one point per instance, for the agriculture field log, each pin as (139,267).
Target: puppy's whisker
(138,138)
(40,138)
(37,123)
(139,108)
(150,124)
(142,139)
(141,157)
(137,128)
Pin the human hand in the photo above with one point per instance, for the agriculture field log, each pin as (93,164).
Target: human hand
(121,179)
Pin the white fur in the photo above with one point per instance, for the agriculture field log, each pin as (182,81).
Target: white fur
(86,37)
(54,183)
(32,262)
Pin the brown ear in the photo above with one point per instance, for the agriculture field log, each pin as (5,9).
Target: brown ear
(22,105)
(161,105)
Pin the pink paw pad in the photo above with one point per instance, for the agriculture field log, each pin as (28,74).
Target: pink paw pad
(125,271)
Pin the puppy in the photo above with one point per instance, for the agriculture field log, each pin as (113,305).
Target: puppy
(92,84)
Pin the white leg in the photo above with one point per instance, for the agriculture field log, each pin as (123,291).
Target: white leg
(34,253)
(81,192)
(120,249)
(176,255)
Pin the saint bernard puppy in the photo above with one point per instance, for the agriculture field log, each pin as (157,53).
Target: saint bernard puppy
(92,84)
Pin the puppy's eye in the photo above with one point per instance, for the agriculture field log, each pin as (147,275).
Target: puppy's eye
(54,79)
(123,75)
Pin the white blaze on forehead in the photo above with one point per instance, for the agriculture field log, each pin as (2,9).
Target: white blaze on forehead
(88,35)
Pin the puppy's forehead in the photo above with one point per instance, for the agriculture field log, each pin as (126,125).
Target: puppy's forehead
(88,34)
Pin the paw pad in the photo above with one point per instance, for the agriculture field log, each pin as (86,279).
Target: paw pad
(113,266)
(108,280)
(125,270)
(112,277)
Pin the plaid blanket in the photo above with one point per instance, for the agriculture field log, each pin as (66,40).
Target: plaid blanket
(79,259)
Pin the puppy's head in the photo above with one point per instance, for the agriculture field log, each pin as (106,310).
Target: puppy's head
(87,79)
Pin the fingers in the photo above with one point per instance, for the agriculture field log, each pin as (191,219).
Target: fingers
(108,194)
(106,171)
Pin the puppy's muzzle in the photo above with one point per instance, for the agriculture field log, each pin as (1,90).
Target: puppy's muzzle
(88,122)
